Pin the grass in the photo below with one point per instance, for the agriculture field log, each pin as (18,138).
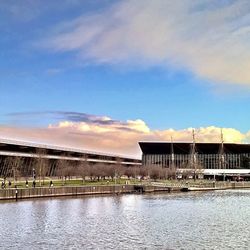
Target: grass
(70,182)
(78,182)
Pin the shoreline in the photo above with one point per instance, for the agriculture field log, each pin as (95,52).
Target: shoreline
(50,192)
(43,192)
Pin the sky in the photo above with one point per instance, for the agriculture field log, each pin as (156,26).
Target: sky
(102,75)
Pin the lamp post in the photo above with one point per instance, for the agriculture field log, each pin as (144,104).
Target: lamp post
(115,180)
(34,174)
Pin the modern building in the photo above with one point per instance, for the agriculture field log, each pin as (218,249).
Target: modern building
(185,155)
(24,155)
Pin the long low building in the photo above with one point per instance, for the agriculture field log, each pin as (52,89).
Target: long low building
(23,156)
(204,155)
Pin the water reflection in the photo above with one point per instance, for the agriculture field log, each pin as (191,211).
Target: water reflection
(213,220)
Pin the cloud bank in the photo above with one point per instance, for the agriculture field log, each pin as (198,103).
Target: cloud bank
(211,38)
(101,133)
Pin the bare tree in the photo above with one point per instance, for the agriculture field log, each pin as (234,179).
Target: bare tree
(162,173)
(92,172)
(171,173)
(119,171)
(103,170)
(156,172)
(61,170)
(111,171)
(129,171)
(186,174)
(7,167)
(83,168)
(97,171)
(16,163)
(199,171)
(41,165)
(143,172)
(118,168)
(136,172)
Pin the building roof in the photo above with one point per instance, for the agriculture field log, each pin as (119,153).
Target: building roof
(12,146)
(184,148)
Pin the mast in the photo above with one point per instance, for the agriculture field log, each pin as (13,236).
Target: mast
(172,153)
(193,155)
(221,152)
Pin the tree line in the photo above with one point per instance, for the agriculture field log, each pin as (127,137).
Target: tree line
(42,167)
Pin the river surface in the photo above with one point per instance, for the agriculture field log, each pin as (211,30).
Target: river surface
(201,220)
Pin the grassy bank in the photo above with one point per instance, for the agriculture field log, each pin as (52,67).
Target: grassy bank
(69,182)
(121,181)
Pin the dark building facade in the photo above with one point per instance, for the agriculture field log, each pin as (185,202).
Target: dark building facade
(24,156)
(204,155)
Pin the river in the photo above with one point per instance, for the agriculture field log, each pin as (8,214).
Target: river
(197,220)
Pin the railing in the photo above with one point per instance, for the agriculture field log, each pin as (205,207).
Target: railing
(174,184)
(202,184)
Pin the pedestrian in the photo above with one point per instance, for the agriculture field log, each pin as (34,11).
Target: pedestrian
(51,184)
(16,193)
(34,184)
(27,184)
(9,183)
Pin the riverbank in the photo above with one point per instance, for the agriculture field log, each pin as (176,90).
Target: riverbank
(26,193)
(39,192)
(217,186)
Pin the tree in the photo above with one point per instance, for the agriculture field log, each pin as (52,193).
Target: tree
(129,172)
(119,171)
(136,172)
(83,168)
(186,174)
(171,173)
(156,172)
(41,164)
(15,162)
(99,170)
(111,171)
(143,172)
(7,166)
(92,172)
(61,169)
(198,171)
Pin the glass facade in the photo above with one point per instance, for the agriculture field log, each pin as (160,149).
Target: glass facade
(207,161)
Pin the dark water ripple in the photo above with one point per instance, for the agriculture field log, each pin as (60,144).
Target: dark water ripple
(213,220)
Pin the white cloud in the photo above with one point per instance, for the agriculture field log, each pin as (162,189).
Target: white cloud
(209,38)
(116,137)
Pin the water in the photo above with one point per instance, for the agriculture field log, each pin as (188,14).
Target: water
(212,220)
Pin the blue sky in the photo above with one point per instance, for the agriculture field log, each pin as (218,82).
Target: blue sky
(162,65)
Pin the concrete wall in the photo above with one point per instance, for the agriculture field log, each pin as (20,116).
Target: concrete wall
(25,193)
(63,191)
